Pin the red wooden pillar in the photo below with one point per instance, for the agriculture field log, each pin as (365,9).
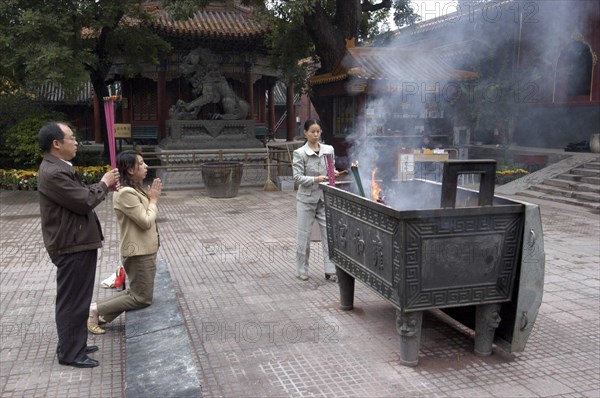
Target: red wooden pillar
(262,102)
(161,92)
(361,121)
(250,87)
(271,106)
(126,101)
(291,113)
(97,119)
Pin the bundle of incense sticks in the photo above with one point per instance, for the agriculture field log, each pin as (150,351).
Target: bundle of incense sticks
(109,112)
(329,163)
(356,175)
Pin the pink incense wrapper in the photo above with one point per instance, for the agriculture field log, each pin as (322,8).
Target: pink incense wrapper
(330,164)
(109,112)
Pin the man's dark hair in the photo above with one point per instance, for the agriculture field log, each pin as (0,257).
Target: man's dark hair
(50,132)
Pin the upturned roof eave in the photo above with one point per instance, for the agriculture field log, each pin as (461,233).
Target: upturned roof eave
(372,63)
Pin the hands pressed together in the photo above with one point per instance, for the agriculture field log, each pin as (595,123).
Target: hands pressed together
(154,190)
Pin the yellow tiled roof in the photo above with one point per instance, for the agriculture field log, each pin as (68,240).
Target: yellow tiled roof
(403,64)
(326,78)
(410,65)
(217,20)
(233,21)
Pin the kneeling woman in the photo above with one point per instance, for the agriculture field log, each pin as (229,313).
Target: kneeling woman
(136,211)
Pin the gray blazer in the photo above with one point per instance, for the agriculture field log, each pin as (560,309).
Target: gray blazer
(307,165)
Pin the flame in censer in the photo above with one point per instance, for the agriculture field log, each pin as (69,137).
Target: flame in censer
(375,187)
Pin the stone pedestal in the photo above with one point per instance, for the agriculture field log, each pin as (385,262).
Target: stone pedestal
(190,143)
(210,134)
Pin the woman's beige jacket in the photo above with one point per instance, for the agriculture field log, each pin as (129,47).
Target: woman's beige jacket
(136,217)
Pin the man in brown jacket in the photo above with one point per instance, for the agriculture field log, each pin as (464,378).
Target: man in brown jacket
(72,236)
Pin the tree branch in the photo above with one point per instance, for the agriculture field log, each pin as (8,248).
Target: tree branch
(367,6)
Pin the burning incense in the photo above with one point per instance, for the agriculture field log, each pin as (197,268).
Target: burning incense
(356,175)
(330,169)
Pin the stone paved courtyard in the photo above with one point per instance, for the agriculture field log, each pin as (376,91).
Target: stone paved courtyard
(257,331)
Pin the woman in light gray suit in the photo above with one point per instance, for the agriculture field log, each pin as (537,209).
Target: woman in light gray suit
(310,170)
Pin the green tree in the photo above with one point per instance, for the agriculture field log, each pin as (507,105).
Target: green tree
(72,41)
(21,141)
(320,28)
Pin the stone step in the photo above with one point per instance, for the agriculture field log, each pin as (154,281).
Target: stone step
(580,178)
(555,191)
(592,165)
(586,172)
(558,199)
(572,185)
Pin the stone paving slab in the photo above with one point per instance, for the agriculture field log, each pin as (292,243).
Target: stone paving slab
(256,330)
(28,365)
(159,358)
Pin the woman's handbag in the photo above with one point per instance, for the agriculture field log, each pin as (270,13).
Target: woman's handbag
(116,280)
(120,279)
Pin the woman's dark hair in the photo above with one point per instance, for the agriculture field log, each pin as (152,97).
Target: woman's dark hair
(310,122)
(128,160)
(50,132)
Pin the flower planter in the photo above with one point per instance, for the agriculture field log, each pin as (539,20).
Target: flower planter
(222,179)
(506,176)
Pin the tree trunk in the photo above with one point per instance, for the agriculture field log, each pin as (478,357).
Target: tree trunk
(98,73)
(101,91)
(291,114)
(347,17)
(329,38)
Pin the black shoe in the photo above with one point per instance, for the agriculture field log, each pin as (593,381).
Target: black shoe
(88,349)
(83,363)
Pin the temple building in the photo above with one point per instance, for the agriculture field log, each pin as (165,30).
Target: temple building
(498,72)
(389,96)
(235,41)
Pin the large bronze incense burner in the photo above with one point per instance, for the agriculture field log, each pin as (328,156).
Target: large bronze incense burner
(478,257)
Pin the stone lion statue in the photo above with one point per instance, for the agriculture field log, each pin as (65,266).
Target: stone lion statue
(211,87)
